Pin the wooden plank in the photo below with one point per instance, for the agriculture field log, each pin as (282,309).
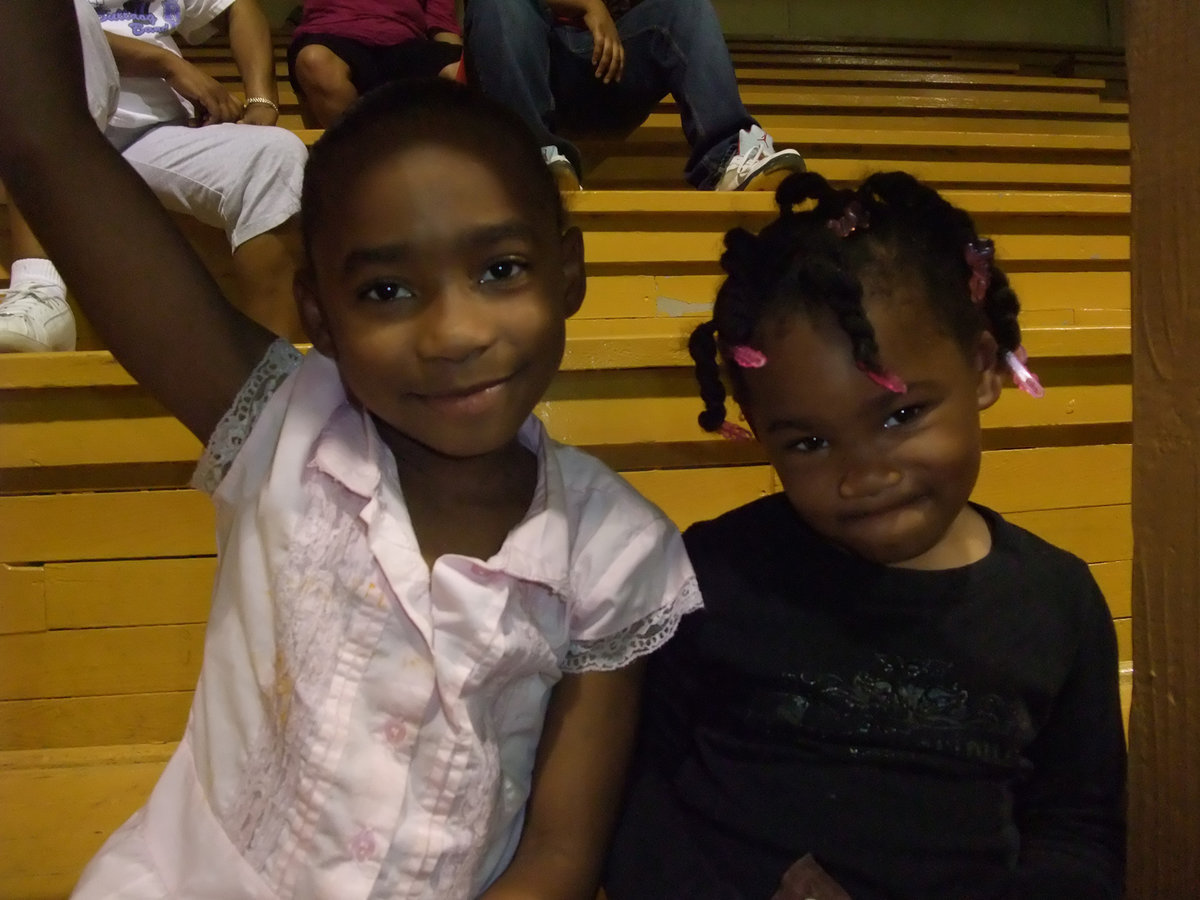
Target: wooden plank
(223,69)
(100,441)
(806,130)
(693,495)
(22,600)
(931,99)
(94,662)
(1050,202)
(799,58)
(31,724)
(898,94)
(682,296)
(661,405)
(1080,340)
(1095,534)
(1054,478)
(66,813)
(1164,770)
(1047,202)
(129,592)
(1116,583)
(116,525)
(661,248)
(949,79)
(166,591)
(173,523)
(32,371)
(636,170)
(1062,405)
(673,294)
(1124,629)
(627,403)
(1075,290)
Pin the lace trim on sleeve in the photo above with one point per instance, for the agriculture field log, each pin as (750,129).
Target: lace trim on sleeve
(644,636)
(280,360)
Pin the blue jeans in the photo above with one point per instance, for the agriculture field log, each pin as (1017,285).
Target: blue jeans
(542,69)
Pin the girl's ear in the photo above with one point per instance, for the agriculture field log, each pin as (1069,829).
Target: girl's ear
(304,287)
(990,369)
(574,279)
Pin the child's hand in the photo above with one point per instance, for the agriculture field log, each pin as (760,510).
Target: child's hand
(212,102)
(608,54)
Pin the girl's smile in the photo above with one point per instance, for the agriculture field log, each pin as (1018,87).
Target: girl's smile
(466,401)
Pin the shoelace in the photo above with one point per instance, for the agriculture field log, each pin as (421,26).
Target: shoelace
(761,149)
(18,301)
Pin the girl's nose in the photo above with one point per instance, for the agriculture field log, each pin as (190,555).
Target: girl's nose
(866,478)
(454,326)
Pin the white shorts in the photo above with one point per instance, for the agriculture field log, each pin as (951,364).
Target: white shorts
(243,179)
(99,67)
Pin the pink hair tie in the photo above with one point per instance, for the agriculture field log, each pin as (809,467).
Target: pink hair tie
(733,432)
(747,357)
(1021,376)
(853,219)
(889,381)
(979,255)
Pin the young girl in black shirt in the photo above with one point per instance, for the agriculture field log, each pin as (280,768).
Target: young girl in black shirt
(891,692)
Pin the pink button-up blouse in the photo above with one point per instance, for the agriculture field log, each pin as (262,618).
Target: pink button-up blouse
(365,726)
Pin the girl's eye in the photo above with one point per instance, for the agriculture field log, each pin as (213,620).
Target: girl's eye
(504,270)
(808,445)
(384,291)
(902,416)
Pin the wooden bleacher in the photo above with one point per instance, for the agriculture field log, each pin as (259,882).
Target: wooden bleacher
(106,557)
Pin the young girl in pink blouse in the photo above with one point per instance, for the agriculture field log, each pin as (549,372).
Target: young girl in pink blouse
(420,673)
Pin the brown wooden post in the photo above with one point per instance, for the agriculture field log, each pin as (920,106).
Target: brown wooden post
(1163,43)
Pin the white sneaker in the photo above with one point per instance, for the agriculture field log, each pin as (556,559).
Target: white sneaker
(757,165)
(560,167)
(35,319)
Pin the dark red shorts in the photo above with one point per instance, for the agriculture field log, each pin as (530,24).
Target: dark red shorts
(371,66)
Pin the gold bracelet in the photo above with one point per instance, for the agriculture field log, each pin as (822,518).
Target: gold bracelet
(266,101)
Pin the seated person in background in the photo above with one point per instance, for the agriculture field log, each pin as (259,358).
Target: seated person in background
(243,180)
(603,65)
(343,48)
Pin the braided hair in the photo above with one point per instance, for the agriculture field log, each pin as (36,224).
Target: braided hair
(815,258)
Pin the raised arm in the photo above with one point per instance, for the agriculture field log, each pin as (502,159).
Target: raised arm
(139,282)
(577,783)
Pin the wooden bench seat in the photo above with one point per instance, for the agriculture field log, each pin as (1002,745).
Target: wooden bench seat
(954,128)
(69,802)
(900,95)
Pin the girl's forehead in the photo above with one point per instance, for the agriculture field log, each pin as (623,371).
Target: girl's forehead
(416,171)
(408,219)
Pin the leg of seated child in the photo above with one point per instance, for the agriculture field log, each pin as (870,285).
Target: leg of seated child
(682,41)
(34,314)
(322,81)
(244,180)
(264,267)
(508,57)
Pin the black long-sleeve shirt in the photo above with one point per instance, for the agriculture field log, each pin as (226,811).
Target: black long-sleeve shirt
(953,734)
